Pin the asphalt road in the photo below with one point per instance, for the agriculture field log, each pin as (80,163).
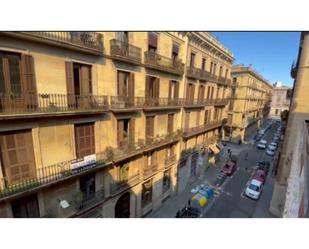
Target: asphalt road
(232,203)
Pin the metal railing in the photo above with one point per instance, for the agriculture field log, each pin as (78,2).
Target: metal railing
(50,103)
(205,75)
(88,201)
(149,170)
(194,102)
(193,72)
(92,40)
(201,128)
(46,175)
(125,50)
(170,160)
(118,186)
(220,101)
(162,102)
(124,102)
(164,63)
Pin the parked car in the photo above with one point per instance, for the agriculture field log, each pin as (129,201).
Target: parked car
(254,189)
(271,147)
(261,146)
(229,168)
(274,144)
(263,165)
(263,141)
(260,175)
(269,152)
(276,138)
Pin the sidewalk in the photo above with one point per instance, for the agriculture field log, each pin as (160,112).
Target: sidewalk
(172,205)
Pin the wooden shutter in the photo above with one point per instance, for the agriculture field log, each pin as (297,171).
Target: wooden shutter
(85,87)
(70,83)
(131,88)
(120,127)
(150,126)
(157,87)
(192,93)
(28,79)
(170,123)
(170,89)
(187,118)
(197,118)
(147,87)
(152,39)
(132,130)
(84,140)
(206,117)
(17,154)
(188,92)
(175,49)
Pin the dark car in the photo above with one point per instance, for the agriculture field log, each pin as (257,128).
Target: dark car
(263,165)
(188,212)
(229,168)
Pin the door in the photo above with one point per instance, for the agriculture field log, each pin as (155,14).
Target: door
(87,186)
(150,127)
(17,156)
(122,207)
(26,207)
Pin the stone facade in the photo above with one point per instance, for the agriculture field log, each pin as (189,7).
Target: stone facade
(280,101)
(249,105)
(109,123)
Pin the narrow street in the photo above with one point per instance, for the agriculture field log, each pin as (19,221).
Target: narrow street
(232,203)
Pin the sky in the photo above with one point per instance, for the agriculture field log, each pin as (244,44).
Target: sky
(270,53)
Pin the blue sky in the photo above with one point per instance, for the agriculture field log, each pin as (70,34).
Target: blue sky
(270,53)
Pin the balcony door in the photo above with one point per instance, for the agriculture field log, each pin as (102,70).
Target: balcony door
(152,42)
(123,36)
(17,156)
(173,91)
(150,127)
(190,93)
(125,131)
(125,87)
(17,82)
(152,90)
(87,186)
(79,85)
(84,140)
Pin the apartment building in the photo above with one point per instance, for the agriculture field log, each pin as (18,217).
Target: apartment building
(280,101)
(250,102)
(105,124)
(290,195)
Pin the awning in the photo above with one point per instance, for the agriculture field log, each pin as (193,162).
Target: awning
(214,149)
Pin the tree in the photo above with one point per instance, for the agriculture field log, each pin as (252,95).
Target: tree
(284,115)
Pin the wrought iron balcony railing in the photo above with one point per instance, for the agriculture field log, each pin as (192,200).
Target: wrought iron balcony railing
(162,102)
(126,102)
(163,63)
(193,72)
(194,102)
(220,101)
(150,170)
(83,202)
(207,76)
(88,40)
(120,185)
(50,103)
(170,160)
(125,51)
(201,128)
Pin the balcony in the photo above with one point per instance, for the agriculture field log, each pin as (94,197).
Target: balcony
(221,102)
(49,104)
(207,76)
(48,175)
(170,160)
(161,141)
(125,52)
(159,103)
(83,203)
(89,42)
(223,81)
(189,132)
(126,103)
(150,170)
(159,62)
(122,185)
(194,103)
(193,72)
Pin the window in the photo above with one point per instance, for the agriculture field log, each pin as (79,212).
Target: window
(147,193)
(152,42)
(17,156)
(175,51)
(226,73)
(84,139)
(203,64)
(123,36)
(190,93)
(220,71)
(192,58)
(27,207)
(211,67)
(166,181)
(152,88)
(87,185)
(125,131)
(151,158)
(173,91)
(206,117)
